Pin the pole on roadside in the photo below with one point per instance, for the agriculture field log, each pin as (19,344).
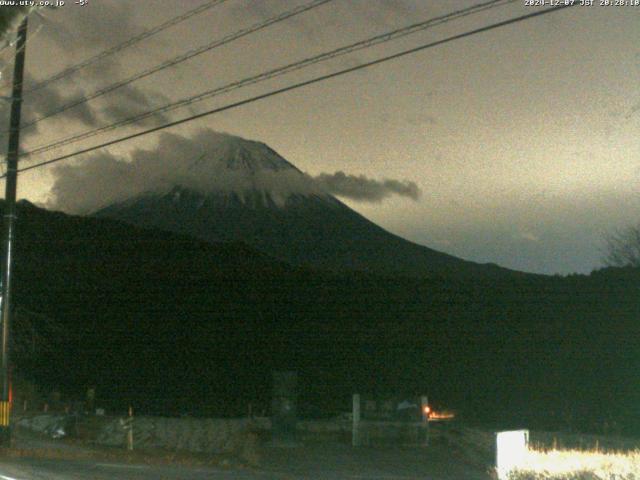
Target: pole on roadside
(130,431)
(356,437)
(9,224)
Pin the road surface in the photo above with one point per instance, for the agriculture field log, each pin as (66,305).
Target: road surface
(37,458)
(298,463)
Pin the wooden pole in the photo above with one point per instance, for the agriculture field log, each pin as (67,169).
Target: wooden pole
(355,435)
(130,431)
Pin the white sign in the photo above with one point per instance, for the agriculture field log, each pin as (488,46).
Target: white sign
(511,449)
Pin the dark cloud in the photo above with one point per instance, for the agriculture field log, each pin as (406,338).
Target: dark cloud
(10,18)
(200,163)
(359,187)
(100,26)
(129,101)
(94,29)
(43,102)
(48,99)
(123,103)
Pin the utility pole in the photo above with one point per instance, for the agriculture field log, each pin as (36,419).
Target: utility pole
(9,223)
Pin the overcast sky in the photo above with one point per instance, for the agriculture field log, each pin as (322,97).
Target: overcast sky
(523,141)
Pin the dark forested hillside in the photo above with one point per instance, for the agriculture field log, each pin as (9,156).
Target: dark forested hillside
(176,325)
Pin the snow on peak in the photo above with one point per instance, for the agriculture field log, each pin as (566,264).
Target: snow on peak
(205,163)
(233,165)
(237,154)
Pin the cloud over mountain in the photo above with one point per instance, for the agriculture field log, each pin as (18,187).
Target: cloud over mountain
(208,162)
(359,187)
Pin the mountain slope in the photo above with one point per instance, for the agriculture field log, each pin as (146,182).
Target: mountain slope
(259,198)
(315,231)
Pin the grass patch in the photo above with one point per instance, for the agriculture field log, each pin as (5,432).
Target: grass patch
(578,465)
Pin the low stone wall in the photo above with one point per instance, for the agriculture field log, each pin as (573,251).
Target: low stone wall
(192,434)
(43,423)
(207,435)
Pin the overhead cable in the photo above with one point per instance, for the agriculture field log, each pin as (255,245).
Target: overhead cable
(127,43)
(179,59)
(298,85)
(367,43)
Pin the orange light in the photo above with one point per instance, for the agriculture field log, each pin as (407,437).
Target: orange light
(427,410)
(442,415)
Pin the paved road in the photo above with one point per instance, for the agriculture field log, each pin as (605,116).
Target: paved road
(315,461)
(285,464)
(28,469)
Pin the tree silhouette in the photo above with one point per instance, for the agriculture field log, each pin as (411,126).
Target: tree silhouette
(623,248)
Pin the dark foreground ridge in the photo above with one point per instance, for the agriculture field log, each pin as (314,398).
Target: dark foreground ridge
(175,325)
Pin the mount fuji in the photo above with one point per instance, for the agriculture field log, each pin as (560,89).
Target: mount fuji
(243,191)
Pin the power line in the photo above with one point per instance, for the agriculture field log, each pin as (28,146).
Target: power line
(300,85)
(127,43)
(181,58)
(367,43)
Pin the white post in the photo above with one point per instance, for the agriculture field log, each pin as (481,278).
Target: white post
(355,434)
(130,431)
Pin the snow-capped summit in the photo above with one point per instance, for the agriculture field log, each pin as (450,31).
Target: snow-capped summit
(233,167)
(239,190)
(238,154)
